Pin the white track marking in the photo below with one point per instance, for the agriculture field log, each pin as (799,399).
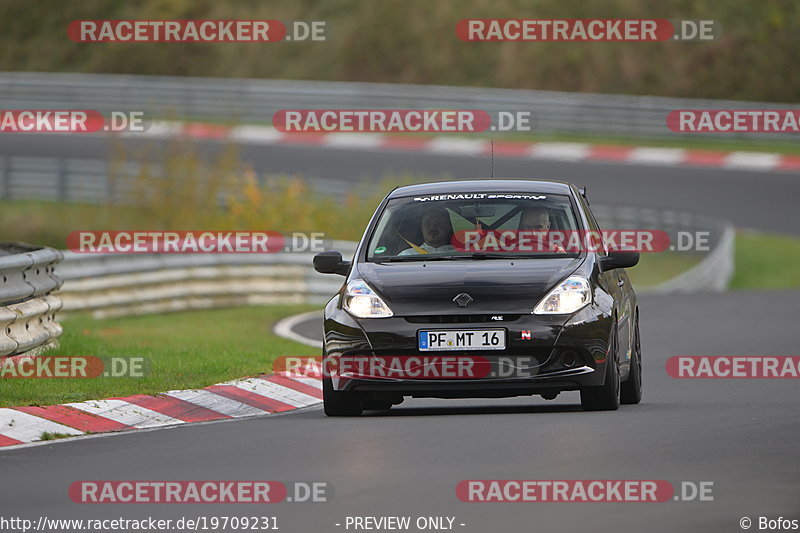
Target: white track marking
(27,428)
(215,402)
(126,413)
(274,391)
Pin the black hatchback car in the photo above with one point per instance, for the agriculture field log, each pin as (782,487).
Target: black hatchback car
(481,288)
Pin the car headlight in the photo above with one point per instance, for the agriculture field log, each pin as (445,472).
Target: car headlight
(362,302)
(566,298)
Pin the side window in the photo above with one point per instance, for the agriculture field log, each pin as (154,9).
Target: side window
(593,225)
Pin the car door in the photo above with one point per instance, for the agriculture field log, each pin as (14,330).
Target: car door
(617,284)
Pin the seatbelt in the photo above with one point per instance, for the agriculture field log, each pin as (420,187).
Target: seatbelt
(414,246)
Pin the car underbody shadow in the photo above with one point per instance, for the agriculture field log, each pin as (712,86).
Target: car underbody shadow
(450,409)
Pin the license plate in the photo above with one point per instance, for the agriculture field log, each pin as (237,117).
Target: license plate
(472,339)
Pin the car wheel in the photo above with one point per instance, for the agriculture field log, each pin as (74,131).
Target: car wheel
(372,404)
(606,396)
(339,403)
(631,390)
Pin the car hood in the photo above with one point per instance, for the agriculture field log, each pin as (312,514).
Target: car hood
(496,286)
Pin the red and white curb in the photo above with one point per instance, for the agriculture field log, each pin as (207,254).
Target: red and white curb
(556,151)
(239,398)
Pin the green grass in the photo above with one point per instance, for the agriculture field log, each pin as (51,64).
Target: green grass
(181,350)
(766,261)
(48,223)
(762,261)
(48,435)
(656,268)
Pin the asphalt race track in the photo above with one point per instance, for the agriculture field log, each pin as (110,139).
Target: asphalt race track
(741,434)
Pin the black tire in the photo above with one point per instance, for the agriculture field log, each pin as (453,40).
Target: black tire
(339,403)
(631,389)
(606,396)
(376,405)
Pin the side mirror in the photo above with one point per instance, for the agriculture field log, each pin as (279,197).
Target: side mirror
(331,263)
(617,259)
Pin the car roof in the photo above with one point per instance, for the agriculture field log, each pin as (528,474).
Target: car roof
(484,185)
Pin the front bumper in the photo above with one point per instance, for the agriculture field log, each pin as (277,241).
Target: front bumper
(543,354)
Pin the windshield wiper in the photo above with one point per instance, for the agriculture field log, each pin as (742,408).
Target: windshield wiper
(474,255)
(500,255)
(412,258)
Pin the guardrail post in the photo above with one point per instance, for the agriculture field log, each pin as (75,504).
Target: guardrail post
(111,182)
(62,179)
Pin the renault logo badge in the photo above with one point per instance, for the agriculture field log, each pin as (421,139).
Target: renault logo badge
(463,299)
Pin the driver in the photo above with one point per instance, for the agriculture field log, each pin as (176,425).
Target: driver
(437,230)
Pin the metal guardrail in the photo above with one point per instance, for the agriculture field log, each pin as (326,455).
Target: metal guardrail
(109,285)
(714,273)
(27,307)
(67,179)
(716,268)
(256,100)
(61,179)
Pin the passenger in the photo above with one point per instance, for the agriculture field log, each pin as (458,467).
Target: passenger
(537,219)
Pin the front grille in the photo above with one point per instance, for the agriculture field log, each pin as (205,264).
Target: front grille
(459,319)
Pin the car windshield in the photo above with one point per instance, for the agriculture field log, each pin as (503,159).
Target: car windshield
(473,226)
